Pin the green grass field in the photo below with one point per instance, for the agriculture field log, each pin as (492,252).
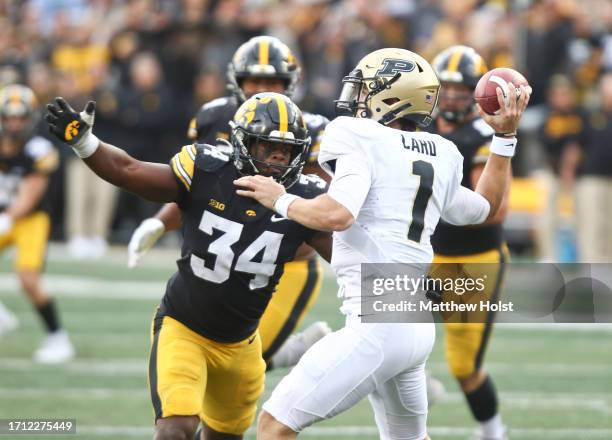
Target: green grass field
(554,383)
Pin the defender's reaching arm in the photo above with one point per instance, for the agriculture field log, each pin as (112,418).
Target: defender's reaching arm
(151,181)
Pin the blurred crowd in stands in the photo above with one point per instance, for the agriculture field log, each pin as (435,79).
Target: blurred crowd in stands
(150,64)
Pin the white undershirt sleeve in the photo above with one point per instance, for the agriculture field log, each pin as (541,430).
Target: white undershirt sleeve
(466,208)
(351,182)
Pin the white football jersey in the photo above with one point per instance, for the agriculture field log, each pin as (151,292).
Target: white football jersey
(397,185)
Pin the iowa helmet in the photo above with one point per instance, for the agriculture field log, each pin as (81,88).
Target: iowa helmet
(18,101)
(270,118)
(262,57)
(460,65)
(389,85)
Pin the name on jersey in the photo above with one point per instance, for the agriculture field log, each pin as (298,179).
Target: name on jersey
(420,146)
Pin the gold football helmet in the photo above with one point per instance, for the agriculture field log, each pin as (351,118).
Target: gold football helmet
(388,85)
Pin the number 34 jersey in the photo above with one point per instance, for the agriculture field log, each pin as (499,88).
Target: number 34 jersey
(233,248)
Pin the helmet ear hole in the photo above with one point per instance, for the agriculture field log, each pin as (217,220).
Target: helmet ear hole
(390,101)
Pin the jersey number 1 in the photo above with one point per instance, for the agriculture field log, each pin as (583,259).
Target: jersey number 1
(268,242)
(426,173)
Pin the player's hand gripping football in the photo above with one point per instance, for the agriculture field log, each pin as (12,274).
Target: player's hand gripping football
(143,239)
(73,128)
(506,121)
(263,189)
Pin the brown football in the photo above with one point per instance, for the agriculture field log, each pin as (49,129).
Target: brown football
(485,94)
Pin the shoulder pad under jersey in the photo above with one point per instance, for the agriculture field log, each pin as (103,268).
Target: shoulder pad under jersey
(209,158)
(309,186)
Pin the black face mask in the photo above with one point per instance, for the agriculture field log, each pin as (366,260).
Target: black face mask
(458,116)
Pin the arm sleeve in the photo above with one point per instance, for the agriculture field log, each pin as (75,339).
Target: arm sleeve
(183,166)
(343,157)
(466,208)
(351,182)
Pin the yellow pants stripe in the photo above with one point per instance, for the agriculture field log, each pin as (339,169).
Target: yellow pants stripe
(491,315)
(155,327)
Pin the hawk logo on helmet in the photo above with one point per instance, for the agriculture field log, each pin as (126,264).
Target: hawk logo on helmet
(391,66)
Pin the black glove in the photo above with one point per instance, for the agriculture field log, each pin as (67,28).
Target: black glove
(73,128)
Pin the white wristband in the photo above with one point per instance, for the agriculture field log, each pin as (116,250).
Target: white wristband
(86,146)
(282,204)
(503,146)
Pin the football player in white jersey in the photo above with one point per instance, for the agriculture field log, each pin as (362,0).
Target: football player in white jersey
(390,186)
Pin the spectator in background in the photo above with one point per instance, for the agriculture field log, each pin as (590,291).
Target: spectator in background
(550,28)
(562,135)
(151,122)
(81,68)
(594,189)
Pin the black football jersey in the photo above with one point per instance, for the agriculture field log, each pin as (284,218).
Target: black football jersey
(472,140)
(38,155)
(233,248)
(211,122)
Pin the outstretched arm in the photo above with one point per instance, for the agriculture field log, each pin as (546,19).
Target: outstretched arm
(495,178)
(322,213)
(474,207)
(151,181)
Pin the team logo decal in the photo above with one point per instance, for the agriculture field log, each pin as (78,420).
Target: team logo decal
(391,66)
(72,130)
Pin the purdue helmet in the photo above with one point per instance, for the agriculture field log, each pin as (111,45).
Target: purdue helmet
(262,57)
(18,101)
(459,65)
(273,118)
(388,85)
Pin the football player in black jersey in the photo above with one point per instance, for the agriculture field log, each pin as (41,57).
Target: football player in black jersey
(459,69)
(206,361)
(26,162)
(262,64)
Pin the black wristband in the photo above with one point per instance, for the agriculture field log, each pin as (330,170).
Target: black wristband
(506,135)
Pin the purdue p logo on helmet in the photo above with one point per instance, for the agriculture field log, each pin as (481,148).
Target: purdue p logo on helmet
(389,85)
